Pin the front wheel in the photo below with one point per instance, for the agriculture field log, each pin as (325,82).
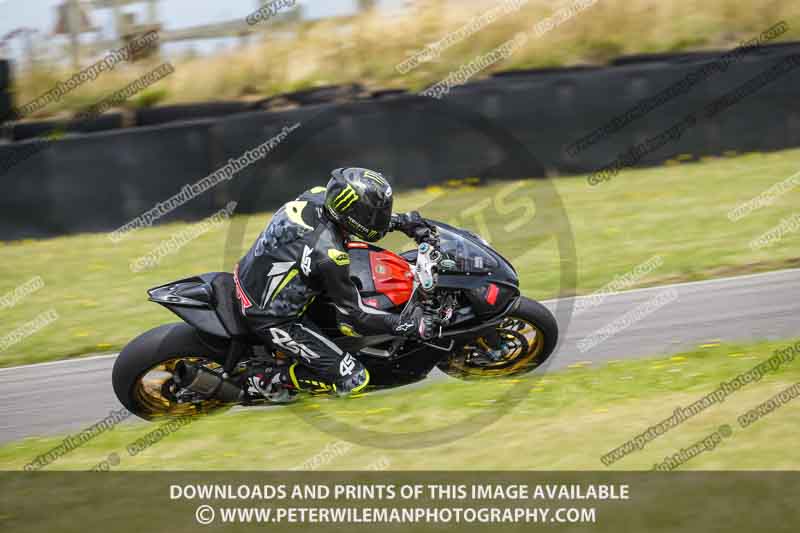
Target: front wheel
(524,340)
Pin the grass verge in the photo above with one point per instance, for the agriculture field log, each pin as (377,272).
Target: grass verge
(562,421)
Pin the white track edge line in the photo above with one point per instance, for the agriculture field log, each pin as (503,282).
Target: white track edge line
(60,362)
(684,284)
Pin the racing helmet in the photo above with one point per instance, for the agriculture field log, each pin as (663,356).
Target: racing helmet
(359,201)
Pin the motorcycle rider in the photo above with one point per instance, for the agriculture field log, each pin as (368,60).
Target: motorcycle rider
(302,254)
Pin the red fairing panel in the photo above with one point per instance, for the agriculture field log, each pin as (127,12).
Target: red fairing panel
(392,276)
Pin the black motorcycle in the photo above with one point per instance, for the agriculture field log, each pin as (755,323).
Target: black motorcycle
(484,328)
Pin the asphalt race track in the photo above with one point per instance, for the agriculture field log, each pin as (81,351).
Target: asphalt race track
(66,396)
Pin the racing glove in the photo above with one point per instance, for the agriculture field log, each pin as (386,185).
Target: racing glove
(414,322)
(412,224)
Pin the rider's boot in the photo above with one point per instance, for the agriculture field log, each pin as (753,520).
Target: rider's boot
(274,384)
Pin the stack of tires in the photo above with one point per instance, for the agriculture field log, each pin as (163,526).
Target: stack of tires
(5,91)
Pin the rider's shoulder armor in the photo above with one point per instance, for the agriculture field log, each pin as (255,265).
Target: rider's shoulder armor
(292,222)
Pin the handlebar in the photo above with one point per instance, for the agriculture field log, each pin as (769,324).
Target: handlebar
(426,236)
(430,260)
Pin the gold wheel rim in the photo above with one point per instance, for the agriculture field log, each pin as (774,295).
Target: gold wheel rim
(149,391)
(519,357)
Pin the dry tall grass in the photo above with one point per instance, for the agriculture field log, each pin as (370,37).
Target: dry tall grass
(366,48)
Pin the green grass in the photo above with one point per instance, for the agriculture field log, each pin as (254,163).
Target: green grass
(678,212)
(562,421)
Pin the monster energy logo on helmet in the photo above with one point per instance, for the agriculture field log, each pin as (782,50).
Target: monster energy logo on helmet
(360,201)
(345,199)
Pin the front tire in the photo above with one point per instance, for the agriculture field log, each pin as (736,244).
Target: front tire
(142,374)
(528,336)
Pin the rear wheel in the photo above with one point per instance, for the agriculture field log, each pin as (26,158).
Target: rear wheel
(523,341)
(143,374)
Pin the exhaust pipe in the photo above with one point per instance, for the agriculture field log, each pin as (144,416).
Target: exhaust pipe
(203,381)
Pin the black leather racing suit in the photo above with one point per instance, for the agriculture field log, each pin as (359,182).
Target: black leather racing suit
(300,255)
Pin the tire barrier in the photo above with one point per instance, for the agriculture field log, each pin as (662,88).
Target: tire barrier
(180,113)
(22,131)
(5,91)
(96,182)
(314,96)
(326,95)
(684,57)
(100,181)
(5,106)
(5,74)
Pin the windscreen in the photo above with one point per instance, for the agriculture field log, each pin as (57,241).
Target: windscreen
(469,257)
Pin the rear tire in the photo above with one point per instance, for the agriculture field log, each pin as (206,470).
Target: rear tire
(536,342)
(155,351)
